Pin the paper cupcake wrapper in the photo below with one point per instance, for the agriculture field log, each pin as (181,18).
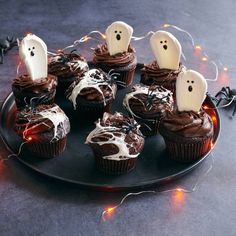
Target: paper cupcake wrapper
(188,152)
(170,86)
(48,149)
(113,167)
(92,110)
(151,123)
(126,75)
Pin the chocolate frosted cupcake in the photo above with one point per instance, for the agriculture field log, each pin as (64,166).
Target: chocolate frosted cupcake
(152,74)
(29,92)
(67,67)
(123,64)
(37,86)
(188,135)
(188,130)
(92,94)
(148,105)
(117,54)
(166,68)
(116,142)
(44,128)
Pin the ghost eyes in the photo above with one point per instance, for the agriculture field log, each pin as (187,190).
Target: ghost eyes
(190,81)
(117,32)
(164,41)
(32,48)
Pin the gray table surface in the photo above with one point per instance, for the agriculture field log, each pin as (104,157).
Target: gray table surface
(31,204)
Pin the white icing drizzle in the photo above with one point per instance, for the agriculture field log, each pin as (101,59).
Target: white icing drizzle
(74,65)
(143,89)
(123,149)
(57,117)
(89,81)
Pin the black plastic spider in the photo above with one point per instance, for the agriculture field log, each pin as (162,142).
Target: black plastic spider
(6,45)
(229,95)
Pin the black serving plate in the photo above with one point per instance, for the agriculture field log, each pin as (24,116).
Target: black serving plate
(76,164)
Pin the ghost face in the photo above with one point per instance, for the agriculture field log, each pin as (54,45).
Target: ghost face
(33,51)
(118,36)
(166,49)
(191,88)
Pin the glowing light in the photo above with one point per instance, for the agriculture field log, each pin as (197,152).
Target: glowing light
(225,69)
(29,138)
(166,25)
(204,59)
(110,210)
(213,118)
(103,36)
(205,107)
(198,47)
(212,145)
(179,189)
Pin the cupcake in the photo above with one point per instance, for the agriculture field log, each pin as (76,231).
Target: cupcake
(148,104)
(116,143)
(44,128)
(36,86)
(188,130)
(165,69)
(66,67)
(117,54)
(92,94)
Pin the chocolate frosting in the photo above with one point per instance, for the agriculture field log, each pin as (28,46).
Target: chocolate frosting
(30,122)
(102,57)
(188,123)
(25,83)
(148,105)
(92,94)
(67,65)
(152,74)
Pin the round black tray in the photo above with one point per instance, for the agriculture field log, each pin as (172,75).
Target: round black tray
(76,164)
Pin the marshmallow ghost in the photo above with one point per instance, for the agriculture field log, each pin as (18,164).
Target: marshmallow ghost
(166,49)
(191,88)
(118,36)
(33,51)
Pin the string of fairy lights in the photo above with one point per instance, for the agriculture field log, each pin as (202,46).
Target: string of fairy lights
(107,213)
(204,58)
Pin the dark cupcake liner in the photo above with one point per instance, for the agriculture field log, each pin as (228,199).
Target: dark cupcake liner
(64,84)
(148,127)
(113,167)
(92,110)
(21,97)
(145,79)
(188,151)
(126,74)
(48,149)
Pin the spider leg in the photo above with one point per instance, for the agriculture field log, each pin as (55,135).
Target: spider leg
(234,109)
(223,92)
(1,56)
(219,101)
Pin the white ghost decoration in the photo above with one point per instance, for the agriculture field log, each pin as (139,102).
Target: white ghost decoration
(118,36)
(191,88)
(33,51)
(166,49)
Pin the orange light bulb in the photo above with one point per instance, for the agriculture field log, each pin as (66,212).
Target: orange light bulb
(198,47)
(204,58)
(166,25)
